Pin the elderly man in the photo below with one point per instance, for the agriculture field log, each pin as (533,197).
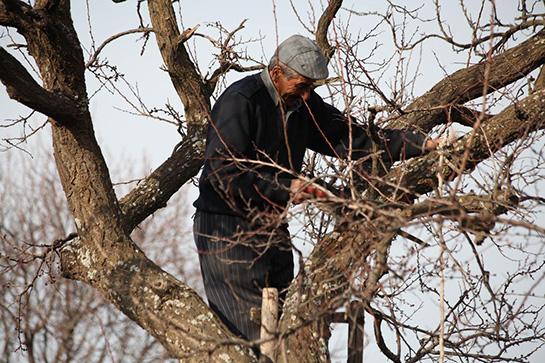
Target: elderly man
(259,131)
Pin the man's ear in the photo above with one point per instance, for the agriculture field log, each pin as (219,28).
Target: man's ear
(276,73)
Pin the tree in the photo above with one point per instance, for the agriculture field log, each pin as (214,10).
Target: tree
(473,193)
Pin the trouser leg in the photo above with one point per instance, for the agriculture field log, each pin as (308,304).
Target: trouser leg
(236,263)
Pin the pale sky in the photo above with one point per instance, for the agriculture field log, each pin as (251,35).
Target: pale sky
(121,132)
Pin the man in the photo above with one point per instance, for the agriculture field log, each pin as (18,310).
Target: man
(259,130)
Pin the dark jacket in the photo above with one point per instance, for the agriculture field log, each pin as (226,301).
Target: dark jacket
(247,126)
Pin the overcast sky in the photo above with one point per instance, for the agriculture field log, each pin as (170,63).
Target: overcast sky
(119,131)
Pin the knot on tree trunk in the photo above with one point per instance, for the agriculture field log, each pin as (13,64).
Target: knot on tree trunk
(161,286)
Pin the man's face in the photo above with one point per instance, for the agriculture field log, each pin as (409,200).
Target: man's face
(291,90)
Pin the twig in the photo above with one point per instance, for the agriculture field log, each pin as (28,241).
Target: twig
(111,39)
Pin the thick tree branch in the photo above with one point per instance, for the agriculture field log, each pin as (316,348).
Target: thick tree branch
(23,88)
(155,191)
(495,204)
(103,255)
(514,122)
(462,115)
(323,25)
(186,160)
(165,307)
(191,89)
(13,13)
(434,107)
(325,290)
(476,214)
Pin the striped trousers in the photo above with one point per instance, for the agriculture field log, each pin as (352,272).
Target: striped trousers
(237,261)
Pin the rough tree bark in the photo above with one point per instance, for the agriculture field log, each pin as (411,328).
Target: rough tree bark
(443,101)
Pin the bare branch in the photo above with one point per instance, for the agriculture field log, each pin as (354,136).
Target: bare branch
(444,35)
(512,123)
(228,57)
(434,106)
(323,25)
(23,88)
(111,39)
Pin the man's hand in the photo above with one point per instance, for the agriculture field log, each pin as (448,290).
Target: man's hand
(297,191)
(301,191)
(433,144)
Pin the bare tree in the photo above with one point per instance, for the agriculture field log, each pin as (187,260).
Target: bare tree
(404,242)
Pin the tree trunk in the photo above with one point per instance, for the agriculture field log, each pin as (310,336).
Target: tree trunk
(103,255)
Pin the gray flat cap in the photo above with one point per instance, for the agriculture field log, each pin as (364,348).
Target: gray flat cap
(303,56)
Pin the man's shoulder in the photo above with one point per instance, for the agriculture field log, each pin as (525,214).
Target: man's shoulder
(247,86)
(315,99)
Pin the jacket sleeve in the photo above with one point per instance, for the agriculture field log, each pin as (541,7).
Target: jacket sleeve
(330,130)
(228,153)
